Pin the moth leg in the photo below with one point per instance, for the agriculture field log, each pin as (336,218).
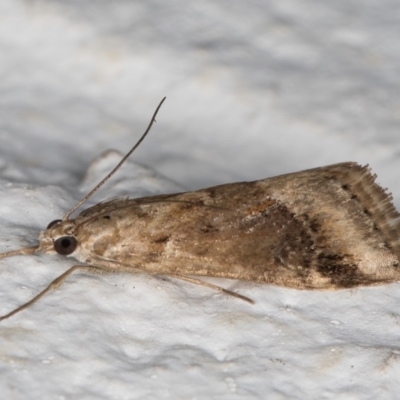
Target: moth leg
(53,285)
(211,286)
(23,252)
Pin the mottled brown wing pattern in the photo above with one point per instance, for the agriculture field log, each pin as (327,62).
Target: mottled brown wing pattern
(329,227)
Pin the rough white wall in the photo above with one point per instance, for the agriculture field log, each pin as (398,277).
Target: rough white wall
(254,89)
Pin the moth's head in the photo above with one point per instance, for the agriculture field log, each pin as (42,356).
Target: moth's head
(59,237)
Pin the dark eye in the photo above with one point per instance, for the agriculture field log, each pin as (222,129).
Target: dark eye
(65,245)
(52,223)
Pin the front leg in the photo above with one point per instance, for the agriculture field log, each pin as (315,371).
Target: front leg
(53,285)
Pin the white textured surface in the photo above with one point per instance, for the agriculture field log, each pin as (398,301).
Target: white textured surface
(254,89)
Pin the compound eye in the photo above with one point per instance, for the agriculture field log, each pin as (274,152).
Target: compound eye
(65,245)
(52,223)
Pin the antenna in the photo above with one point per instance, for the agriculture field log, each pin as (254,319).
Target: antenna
(100,184)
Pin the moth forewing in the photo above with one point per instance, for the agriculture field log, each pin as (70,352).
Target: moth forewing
(339,230)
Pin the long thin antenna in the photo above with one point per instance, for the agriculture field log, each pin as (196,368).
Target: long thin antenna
(99,185)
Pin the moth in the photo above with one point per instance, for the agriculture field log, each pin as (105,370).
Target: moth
(325,228)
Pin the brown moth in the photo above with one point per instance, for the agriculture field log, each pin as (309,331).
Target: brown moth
(325,228)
